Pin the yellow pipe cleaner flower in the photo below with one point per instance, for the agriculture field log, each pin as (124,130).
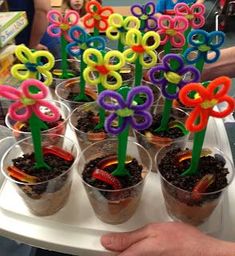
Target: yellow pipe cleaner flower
(31,64)
(119,26)
(139,47)
(100,68)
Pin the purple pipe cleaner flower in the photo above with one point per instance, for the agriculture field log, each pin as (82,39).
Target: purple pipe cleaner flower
(173,71)
(146,14)
(129,110)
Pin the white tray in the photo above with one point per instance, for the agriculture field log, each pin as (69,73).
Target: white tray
(76,230)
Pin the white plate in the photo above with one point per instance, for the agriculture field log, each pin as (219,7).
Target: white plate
(76,230)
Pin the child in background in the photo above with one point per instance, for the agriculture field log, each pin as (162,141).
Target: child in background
(76,5)
(167,6)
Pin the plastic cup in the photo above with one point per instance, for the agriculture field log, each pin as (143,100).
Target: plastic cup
(86,138)
(155,89)
(114,206)
(154,143)
(127,74)
(161,54)
(58,129)
(72,86)
(6,141)
(49,196)
(181,205)
(73,69)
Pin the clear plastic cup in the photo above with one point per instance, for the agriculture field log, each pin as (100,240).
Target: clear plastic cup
(73,70)
(72,86)
(46,197)
(59,128)
(86,138)
(182,205)
(6,141)
(114,206)
(154,143)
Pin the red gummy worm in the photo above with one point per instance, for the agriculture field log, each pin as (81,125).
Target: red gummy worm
(202,186)
(107,178)
(57,151)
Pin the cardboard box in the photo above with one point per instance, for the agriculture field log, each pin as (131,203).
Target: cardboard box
(6,61)
(11,23)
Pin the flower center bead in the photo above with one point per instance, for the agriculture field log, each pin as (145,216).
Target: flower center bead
(125,112)
(102,69)
(172,77)
(64,26)
(31,66)
(121,29)
(209,103)
(144,17)
(96,17)
(189,16)
(204,48)
(170,32)
(138,48)
(27,101)
(83,46)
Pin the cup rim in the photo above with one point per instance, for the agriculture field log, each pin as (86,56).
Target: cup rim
(60,85)
(122,189)
(41,182)
(156,106)
(79,108)
(63,79)
(152,84)
(228,160)
(75,79)
(45,131)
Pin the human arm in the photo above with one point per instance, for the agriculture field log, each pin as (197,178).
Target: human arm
(40,24)
(200,1)
(167,239)
(224,66)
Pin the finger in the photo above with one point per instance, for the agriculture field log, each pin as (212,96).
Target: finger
(144,247)
(43,47)
(121,241)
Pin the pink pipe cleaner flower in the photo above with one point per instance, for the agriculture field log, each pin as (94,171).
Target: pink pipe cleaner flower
(172,28)
(28,103)
(194,14)
(60,24)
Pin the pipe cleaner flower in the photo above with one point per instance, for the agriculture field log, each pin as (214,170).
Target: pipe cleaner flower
(177,73)
(139,47)
(60,24)
(97,16)
(80,41)
(119,26)
(145,13)
(28,103)
(194,14)
(204,103)
(208,42)
(172,29)
(32,64)
(102,68)
(127,109)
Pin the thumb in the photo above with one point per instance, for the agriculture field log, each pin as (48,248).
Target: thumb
(121,241)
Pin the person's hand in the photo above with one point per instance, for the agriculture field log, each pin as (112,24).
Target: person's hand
(39,47)
(163,239)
